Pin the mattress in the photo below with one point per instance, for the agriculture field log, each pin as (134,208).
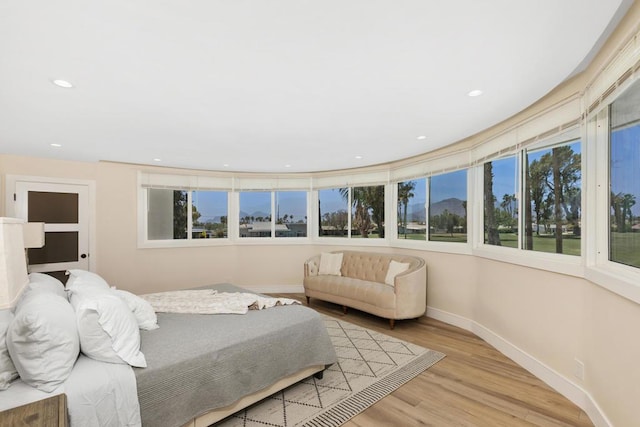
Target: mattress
(199,362)
(98,394)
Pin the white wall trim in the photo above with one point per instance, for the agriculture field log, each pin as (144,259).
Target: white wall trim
(554,379)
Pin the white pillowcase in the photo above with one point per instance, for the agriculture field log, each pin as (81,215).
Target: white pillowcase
(43,340)
(46,283)
(395,268)
(330,263)
(82,280)
(108,329)
(141,309)
(8,371)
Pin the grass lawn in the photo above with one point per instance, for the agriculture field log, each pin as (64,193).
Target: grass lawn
(570,244)
(444,237)
(625,248)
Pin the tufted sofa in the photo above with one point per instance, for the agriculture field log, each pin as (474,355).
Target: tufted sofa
(361,284)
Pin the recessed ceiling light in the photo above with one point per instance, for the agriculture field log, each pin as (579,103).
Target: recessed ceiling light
(476,92)
(226,165)
(62,83)
(422,137)
(56,145)
(358,157)
(157,160)
(287,166)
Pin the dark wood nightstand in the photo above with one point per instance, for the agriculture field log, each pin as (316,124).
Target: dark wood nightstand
(50,412)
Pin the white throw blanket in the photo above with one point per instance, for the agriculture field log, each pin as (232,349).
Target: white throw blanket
(208,301)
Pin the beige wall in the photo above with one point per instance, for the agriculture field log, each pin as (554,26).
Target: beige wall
(552,317)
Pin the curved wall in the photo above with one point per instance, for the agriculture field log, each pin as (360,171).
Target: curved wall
(543,320)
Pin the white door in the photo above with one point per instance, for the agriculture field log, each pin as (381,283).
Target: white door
(64,208)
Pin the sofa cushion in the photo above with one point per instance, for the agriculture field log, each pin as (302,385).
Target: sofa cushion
(394,269)
(330,263)
(371,267)
(373,293)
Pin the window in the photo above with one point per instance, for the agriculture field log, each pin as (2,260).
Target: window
(448,207)
(333,208)
(553,204)
(365,219)
(168,214)
(367,212)
(209,213)
(624,178)
(291,213)
(255,214)
(412,209)
(257,218)
(500,202)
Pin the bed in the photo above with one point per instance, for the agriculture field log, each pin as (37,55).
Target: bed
(200,369)
(224,358)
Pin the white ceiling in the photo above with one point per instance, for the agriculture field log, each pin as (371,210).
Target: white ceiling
(279,86)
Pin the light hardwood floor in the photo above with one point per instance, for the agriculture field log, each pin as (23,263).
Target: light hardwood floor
(474,385)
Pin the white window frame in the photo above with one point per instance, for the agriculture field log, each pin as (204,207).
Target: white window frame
(143,226)
(560,263)
(622,279)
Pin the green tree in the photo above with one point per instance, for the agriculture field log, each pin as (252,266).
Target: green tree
(180,200)
(368,203)
(490,224)
(179,214)
(537,177)
(628,201)
(405,193)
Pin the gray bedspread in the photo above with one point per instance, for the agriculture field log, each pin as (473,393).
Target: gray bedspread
(200,362)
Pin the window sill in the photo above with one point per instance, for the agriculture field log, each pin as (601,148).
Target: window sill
(557,263)
(616,279)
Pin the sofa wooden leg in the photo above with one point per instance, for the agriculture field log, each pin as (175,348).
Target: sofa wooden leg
(392,323)
(319,375)
(308,299)
(344,309)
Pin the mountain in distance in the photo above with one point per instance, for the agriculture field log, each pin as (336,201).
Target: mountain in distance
(453,205)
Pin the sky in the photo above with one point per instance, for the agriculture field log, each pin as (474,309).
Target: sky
(625,163)
(210,204)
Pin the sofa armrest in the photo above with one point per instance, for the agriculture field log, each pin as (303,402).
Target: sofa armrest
(311,266)
(410,288)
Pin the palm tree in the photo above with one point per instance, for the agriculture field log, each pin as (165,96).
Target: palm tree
(628,200)
(490,225)
(363,200)
(405,192)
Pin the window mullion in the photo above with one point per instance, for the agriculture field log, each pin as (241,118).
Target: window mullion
(427,219)
(189,214)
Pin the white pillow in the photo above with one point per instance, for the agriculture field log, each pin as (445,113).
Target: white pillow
(108,329)
(8,371)
(82,280)
(46,283)
(141,309)
(395,268)
(43,340)
(330,263)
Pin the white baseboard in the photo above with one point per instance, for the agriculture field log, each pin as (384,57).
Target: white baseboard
(275,289)
(554,379)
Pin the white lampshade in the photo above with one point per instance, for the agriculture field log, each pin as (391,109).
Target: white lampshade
(33,234)
(13,265)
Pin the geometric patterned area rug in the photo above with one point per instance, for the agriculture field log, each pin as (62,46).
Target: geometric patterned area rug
(370,366)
